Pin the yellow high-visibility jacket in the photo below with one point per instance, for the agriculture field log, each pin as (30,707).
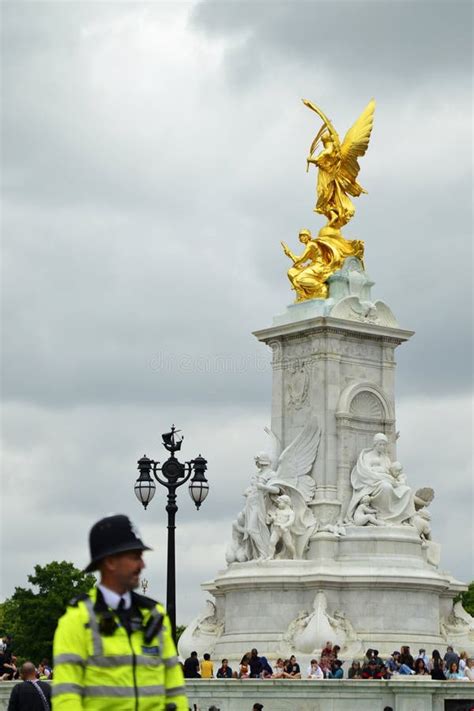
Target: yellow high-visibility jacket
(99,666)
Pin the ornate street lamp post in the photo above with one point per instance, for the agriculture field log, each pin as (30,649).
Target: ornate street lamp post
(174,474)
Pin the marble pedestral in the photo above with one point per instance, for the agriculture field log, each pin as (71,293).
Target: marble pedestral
(379,578)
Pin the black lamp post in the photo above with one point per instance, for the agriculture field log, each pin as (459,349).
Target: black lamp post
(175,474)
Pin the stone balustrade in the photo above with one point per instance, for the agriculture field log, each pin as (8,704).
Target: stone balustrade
(409,694)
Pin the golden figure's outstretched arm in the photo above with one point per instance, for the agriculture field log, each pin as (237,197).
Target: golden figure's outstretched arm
(294,257)
(327,125)
(288,251)
(306,256)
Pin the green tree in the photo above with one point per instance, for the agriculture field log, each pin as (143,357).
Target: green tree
(31,615)
(2,618)
(179,631)
(467,599)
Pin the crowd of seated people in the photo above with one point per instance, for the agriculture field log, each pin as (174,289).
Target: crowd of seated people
(254,666)
(330,666)
(10,666)
(451,666)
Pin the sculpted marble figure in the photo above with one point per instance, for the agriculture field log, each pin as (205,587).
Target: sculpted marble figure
(458,625)
(236,551)
(281,520)
(339,621)
(422,517)
(295,628)
(365,514)
(256,535)
(278,475)
(250,532)
(376,477)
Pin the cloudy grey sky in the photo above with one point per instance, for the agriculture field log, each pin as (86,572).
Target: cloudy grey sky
(153,159)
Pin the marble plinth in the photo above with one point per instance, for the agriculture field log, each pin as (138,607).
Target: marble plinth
(392,597)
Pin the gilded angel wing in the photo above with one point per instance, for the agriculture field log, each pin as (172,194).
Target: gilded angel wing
(353,147)
(297,459)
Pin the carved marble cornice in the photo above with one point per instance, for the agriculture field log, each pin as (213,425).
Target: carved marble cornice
(324,326)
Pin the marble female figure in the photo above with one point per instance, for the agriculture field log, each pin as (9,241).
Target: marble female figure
(256,535)
(391,498)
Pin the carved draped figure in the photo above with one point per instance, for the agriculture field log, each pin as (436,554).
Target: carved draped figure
(393,503)
(256,537)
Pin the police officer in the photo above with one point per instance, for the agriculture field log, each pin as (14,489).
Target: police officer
(113,648)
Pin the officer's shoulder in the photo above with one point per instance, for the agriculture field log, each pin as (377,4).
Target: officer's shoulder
(147,602)
(74,612)
(74,602)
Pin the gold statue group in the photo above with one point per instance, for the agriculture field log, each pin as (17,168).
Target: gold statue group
(337,180)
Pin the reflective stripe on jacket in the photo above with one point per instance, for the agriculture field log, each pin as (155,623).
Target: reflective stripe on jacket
(98,666)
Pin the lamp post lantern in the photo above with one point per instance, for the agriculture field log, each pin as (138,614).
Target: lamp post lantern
(173,475)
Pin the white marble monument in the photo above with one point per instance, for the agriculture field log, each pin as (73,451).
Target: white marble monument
(332,542)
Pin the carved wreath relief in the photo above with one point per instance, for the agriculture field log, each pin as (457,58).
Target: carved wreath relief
(298,384)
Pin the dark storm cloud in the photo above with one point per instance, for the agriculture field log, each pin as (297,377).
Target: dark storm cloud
(402,40)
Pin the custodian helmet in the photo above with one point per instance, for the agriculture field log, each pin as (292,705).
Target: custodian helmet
(110,535)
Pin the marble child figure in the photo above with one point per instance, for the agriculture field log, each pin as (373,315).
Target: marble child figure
(396,470)
(281,519)
(365,513)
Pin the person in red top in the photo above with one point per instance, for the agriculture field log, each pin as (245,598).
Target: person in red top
(327,658)
(372,671)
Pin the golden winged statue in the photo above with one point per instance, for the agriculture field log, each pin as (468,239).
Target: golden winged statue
(337,180)
(338,165)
